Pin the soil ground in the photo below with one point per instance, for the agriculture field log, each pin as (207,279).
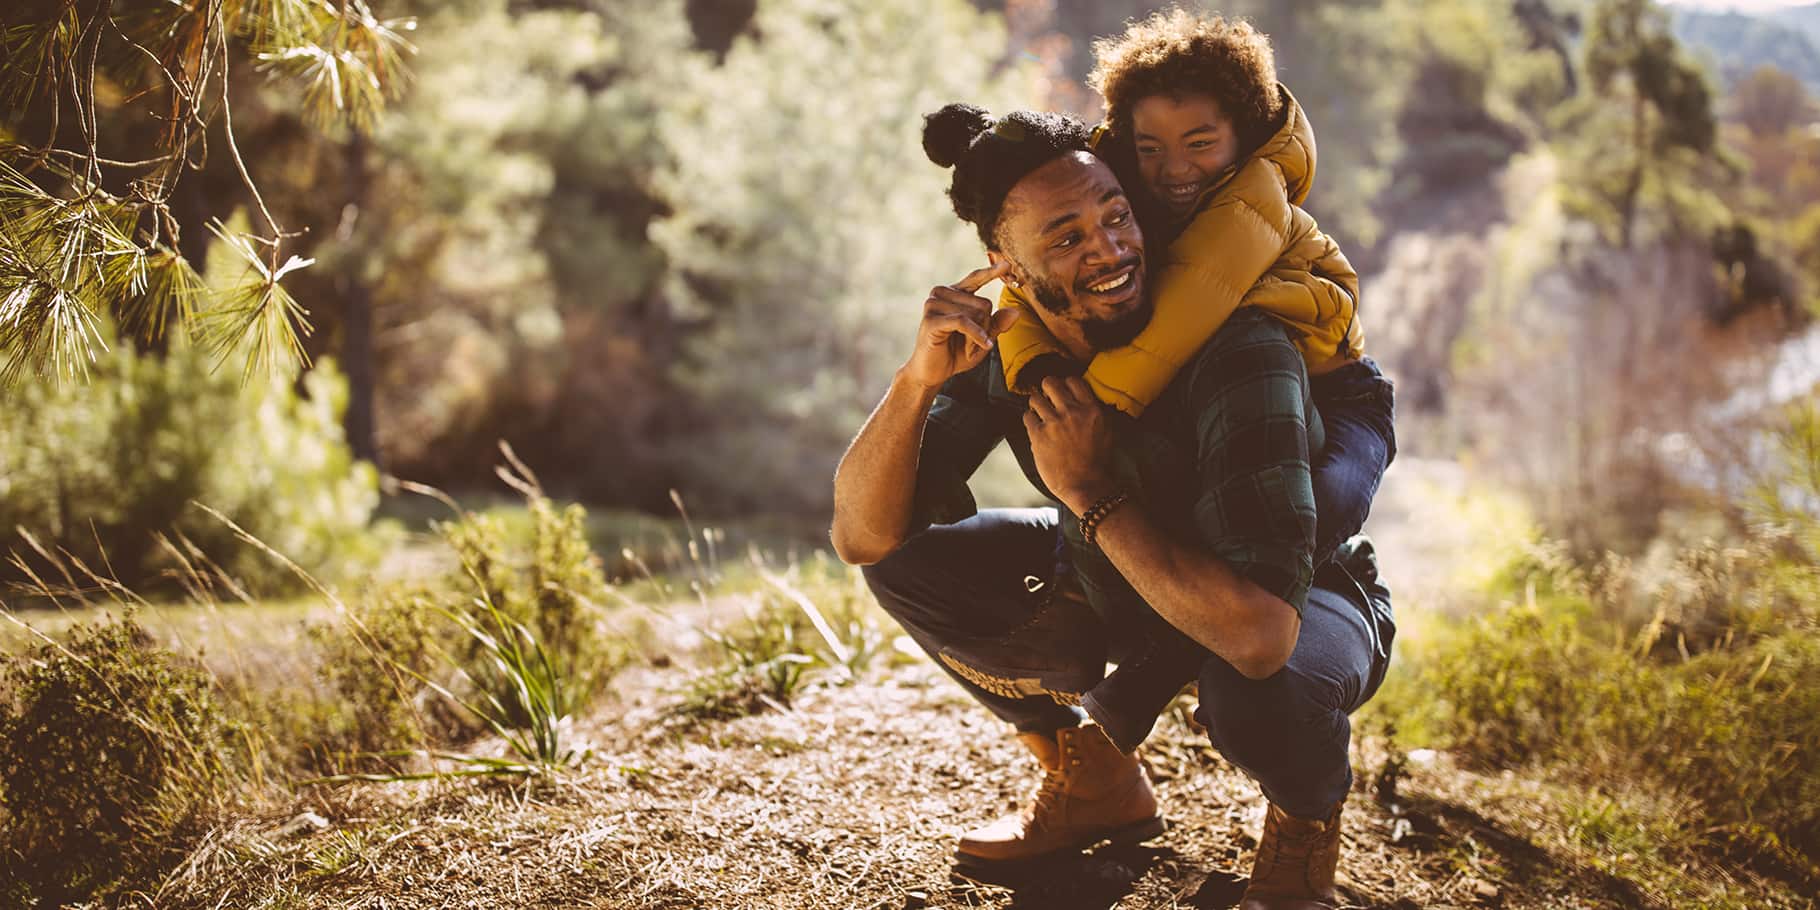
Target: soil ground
(852,798)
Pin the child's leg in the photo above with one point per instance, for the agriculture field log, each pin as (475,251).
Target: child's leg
(1358,410)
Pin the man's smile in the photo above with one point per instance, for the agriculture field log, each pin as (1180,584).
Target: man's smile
(1115,285)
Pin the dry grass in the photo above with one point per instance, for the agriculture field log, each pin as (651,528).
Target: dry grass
(852,799)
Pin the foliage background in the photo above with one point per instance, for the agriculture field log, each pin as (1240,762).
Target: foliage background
(670,252)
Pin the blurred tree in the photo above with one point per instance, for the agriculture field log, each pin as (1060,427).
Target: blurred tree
(1451,114)
(1770,102)
(1634,65)
(513,285)
(88,229)
(804,227)
(1804,238)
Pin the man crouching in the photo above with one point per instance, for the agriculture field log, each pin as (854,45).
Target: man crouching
(1201,512)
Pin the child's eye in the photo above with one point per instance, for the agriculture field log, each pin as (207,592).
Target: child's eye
(1148,150)
(1201,144)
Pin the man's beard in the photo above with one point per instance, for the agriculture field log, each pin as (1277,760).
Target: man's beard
(1117,331)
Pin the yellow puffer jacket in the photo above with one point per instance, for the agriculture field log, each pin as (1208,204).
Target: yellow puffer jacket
(1249,244)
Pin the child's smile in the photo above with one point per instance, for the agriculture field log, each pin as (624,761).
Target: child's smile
(1183,143)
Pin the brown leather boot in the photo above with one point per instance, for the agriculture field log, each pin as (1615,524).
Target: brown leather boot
(1090,792)
(1295,865)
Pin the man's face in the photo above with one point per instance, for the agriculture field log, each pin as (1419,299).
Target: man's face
(1070,234)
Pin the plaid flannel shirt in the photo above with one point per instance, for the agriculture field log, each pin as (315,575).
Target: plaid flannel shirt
(1222,459)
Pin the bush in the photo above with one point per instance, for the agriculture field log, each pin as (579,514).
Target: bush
(100,467)
(516,632)
(1710,698)
(373,665)
(551,583)
(112,754)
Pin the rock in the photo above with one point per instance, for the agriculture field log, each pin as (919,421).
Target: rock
(1484,890)
(303,823)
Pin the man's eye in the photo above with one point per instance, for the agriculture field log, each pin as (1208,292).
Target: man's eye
(1119,219)
(1065,242)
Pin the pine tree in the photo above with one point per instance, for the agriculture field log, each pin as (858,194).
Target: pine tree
(87,232)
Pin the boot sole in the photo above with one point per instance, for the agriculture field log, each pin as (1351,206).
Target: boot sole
(1133,833)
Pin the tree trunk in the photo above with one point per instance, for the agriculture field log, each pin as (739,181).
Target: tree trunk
(357,317)
(1634,186)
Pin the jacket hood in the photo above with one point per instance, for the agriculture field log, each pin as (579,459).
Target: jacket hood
(1291,148)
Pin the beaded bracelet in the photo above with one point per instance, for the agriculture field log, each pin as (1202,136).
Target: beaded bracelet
(1090,520)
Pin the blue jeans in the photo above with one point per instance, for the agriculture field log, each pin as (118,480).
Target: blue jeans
(1358,410)
(1290,732)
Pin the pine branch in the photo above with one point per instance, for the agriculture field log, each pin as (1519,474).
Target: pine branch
(68,263)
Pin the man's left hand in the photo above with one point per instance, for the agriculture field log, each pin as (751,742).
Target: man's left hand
(1070,441)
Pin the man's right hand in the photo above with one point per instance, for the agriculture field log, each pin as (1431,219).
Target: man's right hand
(957,330)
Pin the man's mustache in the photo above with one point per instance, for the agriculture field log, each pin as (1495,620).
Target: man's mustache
(1134,261)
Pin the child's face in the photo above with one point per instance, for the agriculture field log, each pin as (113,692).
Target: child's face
(1182,145)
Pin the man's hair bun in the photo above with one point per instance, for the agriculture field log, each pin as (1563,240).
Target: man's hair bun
(989,156)
(949,132)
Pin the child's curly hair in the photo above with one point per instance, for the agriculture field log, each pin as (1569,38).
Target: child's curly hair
(1175,52)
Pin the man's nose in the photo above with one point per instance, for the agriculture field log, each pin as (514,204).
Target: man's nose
(1106,245)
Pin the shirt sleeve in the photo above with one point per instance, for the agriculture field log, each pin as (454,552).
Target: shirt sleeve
(958,434)
(1256,504)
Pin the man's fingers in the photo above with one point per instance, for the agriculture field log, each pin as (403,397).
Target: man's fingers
(1032,422)
(1060,390)
(948,326)
(978,278)
(972,302)
(942,306)
(1041,404)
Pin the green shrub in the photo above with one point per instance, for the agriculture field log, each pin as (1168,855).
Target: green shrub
(512,639)
(758,665)
(112,754)
(1711,699)
(98,467)
(373,663)
(548,579)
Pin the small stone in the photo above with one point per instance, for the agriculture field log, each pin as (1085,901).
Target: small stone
(1422,756)
(303,823)
(1484,890)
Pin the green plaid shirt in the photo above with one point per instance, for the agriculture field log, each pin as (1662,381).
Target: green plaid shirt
(1221,458)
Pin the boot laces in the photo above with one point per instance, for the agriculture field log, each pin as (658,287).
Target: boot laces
(1044,804)
(1291,840)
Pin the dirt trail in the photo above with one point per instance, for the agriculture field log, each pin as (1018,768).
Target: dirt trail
(853,795)
(851,798)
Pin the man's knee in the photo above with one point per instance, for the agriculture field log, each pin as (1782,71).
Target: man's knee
(1258,724)
(894,579)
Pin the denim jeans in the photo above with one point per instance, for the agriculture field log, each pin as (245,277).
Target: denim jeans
(1358,410)
(988,575)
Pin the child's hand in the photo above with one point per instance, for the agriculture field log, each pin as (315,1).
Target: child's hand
(958,329)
